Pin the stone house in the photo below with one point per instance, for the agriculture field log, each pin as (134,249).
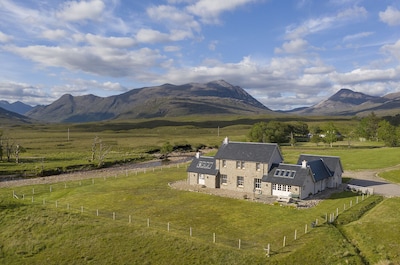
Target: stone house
(258,168)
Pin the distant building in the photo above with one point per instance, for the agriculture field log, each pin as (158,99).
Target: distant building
(259,168)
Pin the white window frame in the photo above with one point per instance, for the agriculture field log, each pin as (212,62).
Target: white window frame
(240,181)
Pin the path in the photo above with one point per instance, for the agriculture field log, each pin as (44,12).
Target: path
(371,179)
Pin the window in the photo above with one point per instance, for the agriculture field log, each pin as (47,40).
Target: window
(258,166)
(280,186)
(240,181)
(284,173)
(240,164)
(274,186)
(224,179)
(257,183)
(224,163)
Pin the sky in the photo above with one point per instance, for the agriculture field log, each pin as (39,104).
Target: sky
(285,53)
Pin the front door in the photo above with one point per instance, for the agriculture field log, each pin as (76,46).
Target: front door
(202,179)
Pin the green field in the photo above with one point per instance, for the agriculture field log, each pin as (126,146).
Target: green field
(138,219)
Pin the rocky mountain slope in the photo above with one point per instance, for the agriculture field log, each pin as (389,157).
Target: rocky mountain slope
(217,97)
(349,103)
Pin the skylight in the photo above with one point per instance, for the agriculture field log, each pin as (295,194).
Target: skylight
(285,173)
(204,165)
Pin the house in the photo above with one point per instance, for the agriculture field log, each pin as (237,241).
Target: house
(202,171)
(334,165)
(259,168)
(298,181)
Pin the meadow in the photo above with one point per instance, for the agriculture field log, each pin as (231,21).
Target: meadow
(136,218)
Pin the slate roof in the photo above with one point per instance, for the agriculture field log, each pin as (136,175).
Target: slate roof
(298,179)
(317,168)
(203,165)
(320,170)
(330,161)
(247,151)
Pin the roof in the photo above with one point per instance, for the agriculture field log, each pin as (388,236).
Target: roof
(295,175)
(331,161)
(320,170)
(247,151)
(278,174)
(203,165)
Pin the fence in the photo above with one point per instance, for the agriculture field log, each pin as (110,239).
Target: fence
(275,244)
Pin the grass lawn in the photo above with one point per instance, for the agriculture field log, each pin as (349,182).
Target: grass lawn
(54,225)
(392,175)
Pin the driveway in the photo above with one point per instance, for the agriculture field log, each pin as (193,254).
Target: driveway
(371,179)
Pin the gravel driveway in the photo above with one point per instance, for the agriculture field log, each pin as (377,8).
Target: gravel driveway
(371,179)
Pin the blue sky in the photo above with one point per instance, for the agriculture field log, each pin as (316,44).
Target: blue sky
(285,53)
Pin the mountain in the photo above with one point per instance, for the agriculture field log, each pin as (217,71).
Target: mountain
(11,118)
(17,107)
(349,103)
(217,97)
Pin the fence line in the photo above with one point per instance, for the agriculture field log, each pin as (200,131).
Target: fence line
(171,227)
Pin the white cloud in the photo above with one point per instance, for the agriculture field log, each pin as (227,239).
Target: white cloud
(350,38)
(209,10)
(95,60)
(172,48)
(174,17)
(54,34)
(312,26)
(4,37)
(96,40)
(393,49)
(358,76)
(14,91)
(293,46)
(82,10)
(151,36)
(390,16)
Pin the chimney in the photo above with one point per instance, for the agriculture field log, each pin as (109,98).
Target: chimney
(197,155)
(226,140)
(304,164)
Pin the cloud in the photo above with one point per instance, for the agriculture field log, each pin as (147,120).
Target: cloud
(4,37)
(174,17)
(350,38)
(392,49)
(390,16)
(95,60)
(82,10)
(359,76)
(313,26)
(54,34)
(210,10)
(293,46)
(151,36)
(96,40)
(14,91)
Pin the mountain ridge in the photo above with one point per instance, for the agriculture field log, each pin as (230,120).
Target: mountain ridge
(215,97)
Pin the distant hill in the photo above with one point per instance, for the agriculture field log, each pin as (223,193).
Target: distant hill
(12,118)
(217,97)
(349,103)
(17,107)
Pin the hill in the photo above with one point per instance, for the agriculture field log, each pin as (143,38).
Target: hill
(17,107)
(12,118)
(217,97)
(349,103)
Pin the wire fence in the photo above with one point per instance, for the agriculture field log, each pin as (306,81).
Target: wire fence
(275,243)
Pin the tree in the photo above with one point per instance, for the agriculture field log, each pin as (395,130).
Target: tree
(257,132)
(99,151)
(166,149)
(368,127)
(387,133)
(331,134)
(315,132)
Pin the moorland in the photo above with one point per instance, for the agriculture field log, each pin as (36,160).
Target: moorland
(136,218)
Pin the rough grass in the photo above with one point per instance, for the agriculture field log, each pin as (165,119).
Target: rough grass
(40,230)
